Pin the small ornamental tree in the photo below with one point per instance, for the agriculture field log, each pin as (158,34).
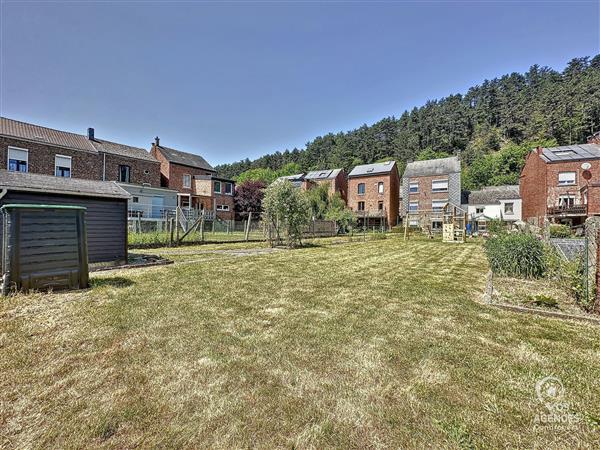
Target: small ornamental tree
(248,198)
(286,211)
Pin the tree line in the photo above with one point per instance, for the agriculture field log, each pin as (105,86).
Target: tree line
(491,127)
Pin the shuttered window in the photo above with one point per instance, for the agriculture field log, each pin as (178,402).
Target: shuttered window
(62,166)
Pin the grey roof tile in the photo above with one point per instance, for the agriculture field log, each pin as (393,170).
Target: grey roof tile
(33,182)
(492,195)
(372,169)
(327,174)
(432,167)
(184,158)
(122,150)
(571,153)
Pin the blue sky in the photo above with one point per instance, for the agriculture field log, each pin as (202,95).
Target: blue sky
(232,80)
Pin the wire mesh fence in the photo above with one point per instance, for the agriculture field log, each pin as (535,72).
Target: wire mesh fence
(171,231)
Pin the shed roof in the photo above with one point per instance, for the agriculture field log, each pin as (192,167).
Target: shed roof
(372,169)
(432,167)
(30,132)
(492,195)
(571,153)
(48,184)
(185,158)
(327,174)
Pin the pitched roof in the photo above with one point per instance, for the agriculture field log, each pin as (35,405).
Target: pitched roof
(48,184)
(372,169)
(571,153)
(184,158)
(327,174)
(492,195)
(432,167)
(36,133)
(122,150)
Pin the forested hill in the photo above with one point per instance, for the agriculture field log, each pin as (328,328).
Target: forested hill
(516,110)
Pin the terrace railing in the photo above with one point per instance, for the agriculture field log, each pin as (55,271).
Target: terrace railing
(573,210)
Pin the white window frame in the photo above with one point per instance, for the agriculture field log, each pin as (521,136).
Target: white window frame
(512,208)
(8,158)
(222,207)
(230,186)
(380,187)
(570,200)
(410,206)
(218,183)
(434,189)
(363,204)
(364,186)
(438,208)
(479,209)
(411,185)
(188,177)
(413,223)
(56,166)
(568,181)
(128,173)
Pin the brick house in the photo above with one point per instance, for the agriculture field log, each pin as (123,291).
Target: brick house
(195,180)
(428,185)
(216,194)
(373,193)
(31,148)
(336,178)
(561,184)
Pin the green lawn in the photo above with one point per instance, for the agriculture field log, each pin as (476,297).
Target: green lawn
(365,344)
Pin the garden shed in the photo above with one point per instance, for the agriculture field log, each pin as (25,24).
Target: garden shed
(105,203)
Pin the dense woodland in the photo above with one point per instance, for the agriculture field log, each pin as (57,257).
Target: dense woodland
(491,127)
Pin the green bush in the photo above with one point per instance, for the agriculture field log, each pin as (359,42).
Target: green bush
(516,255)
(560,231)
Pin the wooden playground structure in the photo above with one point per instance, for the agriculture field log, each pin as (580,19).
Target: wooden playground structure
(450,221)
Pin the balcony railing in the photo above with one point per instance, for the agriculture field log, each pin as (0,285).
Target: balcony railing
(573,210)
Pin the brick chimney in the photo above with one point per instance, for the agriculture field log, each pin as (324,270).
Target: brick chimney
(539,151)
(157,141)
(594,138)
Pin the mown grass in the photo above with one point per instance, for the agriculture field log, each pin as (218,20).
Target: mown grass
(362,344)
(162,237)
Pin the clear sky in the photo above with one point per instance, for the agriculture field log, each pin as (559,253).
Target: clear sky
(232,80)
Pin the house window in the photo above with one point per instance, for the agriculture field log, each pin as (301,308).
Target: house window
(438,205)
(509,208)
(124,174)
(217,187)
(413,223)
(361,206)
(228,188)
(62,166)
(413,187)
(439,186)
(478,210)
(566,201)
(413,206)
(18,159)
(187,180)
(361,188)
(380,206)
(135,199)
(566,178)
(436,225)
(380,187)
(222,207)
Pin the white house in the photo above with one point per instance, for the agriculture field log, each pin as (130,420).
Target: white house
(494,202)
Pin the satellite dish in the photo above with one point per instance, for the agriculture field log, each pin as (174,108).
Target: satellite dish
(587,175)
(586,166)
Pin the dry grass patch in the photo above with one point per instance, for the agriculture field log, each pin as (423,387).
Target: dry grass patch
(366,344)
